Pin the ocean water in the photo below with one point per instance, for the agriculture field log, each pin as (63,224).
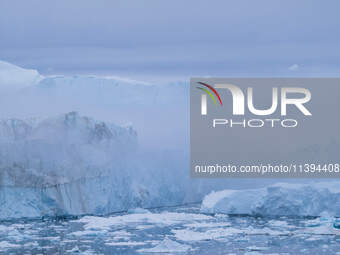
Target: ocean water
(175,230)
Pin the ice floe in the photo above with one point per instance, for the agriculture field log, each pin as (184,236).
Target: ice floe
(167,245)
(165,218)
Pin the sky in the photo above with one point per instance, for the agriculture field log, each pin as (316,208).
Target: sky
(173,39)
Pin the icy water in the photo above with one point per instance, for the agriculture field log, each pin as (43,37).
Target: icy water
(178,230)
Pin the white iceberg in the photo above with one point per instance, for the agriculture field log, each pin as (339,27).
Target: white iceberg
(68,164)
(156,111)
(12,76)
(74,165)
(279,199)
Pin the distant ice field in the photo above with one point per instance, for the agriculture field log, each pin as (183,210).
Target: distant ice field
(176,230)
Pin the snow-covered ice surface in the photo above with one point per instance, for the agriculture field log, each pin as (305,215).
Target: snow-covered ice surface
(313,199)
(12,76)
(175,230)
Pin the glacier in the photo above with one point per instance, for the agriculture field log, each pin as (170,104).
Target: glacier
(57,158)
(281,199)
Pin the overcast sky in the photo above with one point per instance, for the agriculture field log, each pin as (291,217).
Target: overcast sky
(173,38)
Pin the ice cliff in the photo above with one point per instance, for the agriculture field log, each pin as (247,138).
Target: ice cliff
(73,165)
(280,199)
(67,164)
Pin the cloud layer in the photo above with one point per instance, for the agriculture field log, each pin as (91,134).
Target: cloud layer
(175,38)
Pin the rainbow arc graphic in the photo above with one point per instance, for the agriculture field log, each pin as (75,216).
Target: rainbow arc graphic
(209,90)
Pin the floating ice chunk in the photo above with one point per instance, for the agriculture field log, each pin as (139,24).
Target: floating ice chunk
(88,233)
(125,243)
(166,218)
(90,252)
(207,224)
(253,253)
(279,199)
(4,228)
(188,235)
(167,245)
(256,248)
(314,238)
(121,234)
(51,238)
(336,223)
(324,225)
(231,201)
(279,224)
(325,228)
(138,210)
(7,245)
(74,249)
(32,244)
(143,227)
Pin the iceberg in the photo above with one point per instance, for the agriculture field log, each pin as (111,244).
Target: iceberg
(67,164)
(74,165)
(282,199)
(156,111)
(12,76)
(71,164)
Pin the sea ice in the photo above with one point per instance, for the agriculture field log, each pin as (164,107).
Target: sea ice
(167,245)
(165,218)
